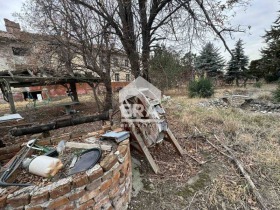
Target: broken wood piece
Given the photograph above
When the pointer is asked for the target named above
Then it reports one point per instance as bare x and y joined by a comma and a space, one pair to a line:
79, 145
193, 158
175, 143
144, 148
238, 163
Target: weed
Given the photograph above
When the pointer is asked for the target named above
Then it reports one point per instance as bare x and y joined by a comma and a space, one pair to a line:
258, 84
202, 88
276, 94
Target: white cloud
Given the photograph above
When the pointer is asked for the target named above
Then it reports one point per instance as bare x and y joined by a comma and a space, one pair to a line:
259, 16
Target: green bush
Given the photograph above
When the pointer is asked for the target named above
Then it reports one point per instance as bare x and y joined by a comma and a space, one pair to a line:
258, 84
271, 77
276, 93
203, 88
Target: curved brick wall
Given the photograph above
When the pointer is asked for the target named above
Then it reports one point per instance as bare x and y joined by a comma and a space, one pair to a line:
108, 185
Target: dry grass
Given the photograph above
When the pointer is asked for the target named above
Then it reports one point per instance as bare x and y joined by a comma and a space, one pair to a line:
254, 137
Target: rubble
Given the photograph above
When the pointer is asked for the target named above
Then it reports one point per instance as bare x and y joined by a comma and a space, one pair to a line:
245, 103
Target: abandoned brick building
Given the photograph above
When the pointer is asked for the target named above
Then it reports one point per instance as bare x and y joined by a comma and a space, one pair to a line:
25, 53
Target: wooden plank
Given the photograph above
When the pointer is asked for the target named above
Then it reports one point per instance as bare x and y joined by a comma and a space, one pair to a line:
79, 145
145, 150
174, 141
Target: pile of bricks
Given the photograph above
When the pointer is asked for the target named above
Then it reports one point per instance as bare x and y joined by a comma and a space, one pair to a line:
107, 185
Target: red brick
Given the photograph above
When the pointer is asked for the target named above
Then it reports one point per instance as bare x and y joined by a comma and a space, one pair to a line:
122, 177
114, 192
40, 198
105, 185
60, 190
19, 200
89, 195
108, 162
33, 207
101, 195
107, 175
125, 142
94, 173
80, 180
124, 168
94, 185
68, 206
122, 189
76, 193
57, 202
3, 200
116, 178
15, 208
122, 149
86, 205
104, 201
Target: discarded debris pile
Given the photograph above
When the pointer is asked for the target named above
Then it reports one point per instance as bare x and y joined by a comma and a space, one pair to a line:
243, 102
260, 106
216, 102
92, 171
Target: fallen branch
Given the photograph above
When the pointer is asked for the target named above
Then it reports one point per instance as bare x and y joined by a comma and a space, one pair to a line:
246, 175
193, 158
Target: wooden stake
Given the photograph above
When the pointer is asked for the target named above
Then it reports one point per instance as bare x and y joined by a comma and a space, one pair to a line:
174, 141
144, 148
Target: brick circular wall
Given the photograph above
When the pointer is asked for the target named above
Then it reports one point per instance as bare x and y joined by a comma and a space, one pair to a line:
107, 185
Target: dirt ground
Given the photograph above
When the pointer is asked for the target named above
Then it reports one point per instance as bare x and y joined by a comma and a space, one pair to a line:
214, 182
50, 112
203, 178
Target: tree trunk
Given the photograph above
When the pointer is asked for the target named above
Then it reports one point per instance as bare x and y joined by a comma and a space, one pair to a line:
237, 81
109, 94
145, 63
95, 95
74, 91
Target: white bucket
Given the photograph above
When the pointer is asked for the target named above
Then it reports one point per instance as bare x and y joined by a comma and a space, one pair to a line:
45, 166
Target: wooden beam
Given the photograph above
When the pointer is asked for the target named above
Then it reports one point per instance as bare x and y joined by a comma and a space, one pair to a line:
28, 81
174, 141
144, 148
8, 95
58, 124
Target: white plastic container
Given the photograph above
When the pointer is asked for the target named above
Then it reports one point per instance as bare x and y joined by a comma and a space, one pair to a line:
45, 166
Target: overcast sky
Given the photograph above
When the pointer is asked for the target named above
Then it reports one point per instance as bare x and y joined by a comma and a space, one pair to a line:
260, 15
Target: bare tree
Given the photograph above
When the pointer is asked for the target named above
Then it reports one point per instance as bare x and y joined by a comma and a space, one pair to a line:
81, 40
141, 23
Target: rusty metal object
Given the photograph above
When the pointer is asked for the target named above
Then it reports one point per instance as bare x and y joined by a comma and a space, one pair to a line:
15, 163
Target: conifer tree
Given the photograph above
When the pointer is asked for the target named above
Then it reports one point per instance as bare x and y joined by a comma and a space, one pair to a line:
237, 66
209, 61
271, 54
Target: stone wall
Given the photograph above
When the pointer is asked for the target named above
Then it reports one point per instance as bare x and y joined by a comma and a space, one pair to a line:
107, 185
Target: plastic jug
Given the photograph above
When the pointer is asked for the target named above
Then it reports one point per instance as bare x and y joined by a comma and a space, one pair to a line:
45, 166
